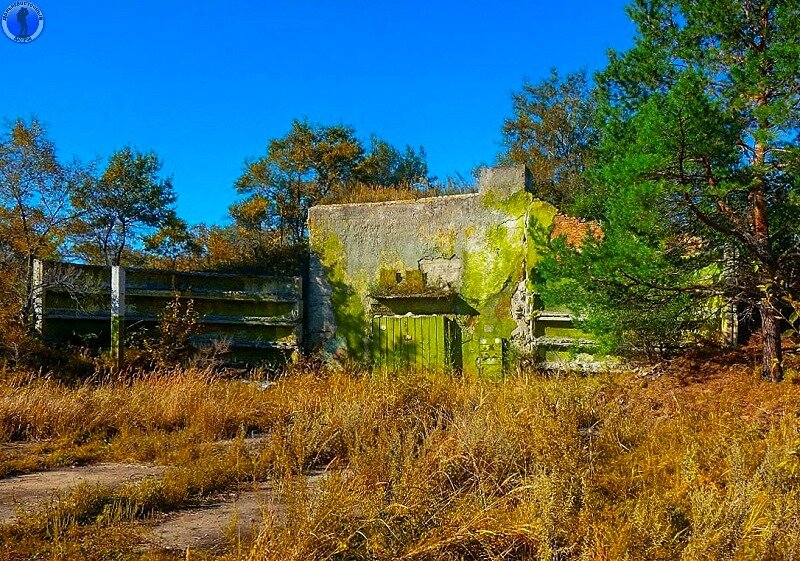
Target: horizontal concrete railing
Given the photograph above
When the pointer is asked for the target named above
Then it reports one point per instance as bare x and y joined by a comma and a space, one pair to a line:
251, 313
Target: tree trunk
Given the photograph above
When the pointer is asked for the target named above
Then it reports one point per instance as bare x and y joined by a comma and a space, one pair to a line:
771, 355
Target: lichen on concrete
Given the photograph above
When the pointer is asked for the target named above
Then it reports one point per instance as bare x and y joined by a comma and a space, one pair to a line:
482, 247
347, 311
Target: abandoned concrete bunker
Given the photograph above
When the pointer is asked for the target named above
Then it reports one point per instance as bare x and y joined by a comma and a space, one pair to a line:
441, 282
449, 282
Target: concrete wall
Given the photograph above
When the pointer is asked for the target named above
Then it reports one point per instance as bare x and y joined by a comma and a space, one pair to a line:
475, 252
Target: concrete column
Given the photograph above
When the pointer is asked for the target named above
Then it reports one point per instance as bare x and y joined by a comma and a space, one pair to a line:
298, 313
504, 181
37, 295
118, 315
321, 325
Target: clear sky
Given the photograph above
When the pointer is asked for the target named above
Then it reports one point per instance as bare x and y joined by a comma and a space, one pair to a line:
207, 83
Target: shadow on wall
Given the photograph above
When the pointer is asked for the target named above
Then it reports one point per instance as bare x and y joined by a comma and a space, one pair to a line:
350, 318
450, 304
337, 320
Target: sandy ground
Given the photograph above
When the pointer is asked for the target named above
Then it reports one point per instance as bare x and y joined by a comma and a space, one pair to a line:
220, 525
231, 517
217, 525
33, 488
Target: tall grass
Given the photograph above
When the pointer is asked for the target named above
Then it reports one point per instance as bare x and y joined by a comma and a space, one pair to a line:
194, 401
368, 193
574, 468
702, 462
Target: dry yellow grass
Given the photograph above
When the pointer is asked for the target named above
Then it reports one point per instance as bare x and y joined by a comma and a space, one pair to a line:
194, 401
702, 462
574, 468
366, 193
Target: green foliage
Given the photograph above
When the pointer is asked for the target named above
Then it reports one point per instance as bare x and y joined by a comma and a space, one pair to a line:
552, 132
239, 249
35, 189
695, 185
121, 206
35, 215
387, 166
607, 295
793, 320
172, 244
299, 169
309, 164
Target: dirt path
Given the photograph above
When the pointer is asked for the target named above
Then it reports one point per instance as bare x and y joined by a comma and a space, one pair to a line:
33, 488
212, 526
217, 525
233, 516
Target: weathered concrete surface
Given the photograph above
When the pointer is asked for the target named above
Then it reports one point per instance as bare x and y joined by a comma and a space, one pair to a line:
442, 272
397, 235
29, 490
321, 324
479, 246
358, 240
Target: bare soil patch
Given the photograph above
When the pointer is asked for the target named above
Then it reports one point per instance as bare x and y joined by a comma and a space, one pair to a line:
217, 526
231, 517
34, 488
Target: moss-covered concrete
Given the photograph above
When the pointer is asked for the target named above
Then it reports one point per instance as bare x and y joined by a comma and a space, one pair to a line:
475, 254
345, 294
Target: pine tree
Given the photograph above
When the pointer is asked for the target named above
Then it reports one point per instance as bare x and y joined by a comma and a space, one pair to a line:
697, 187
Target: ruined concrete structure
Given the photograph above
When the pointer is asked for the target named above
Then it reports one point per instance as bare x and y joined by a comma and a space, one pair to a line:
437, 282
446, 282
258, 318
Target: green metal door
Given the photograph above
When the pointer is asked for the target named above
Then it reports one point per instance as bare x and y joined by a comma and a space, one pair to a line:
408, 342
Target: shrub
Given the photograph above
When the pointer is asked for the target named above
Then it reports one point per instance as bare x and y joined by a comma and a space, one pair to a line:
172, 344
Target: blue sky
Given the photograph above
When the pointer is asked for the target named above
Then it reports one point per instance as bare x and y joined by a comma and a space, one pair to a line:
207, 84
